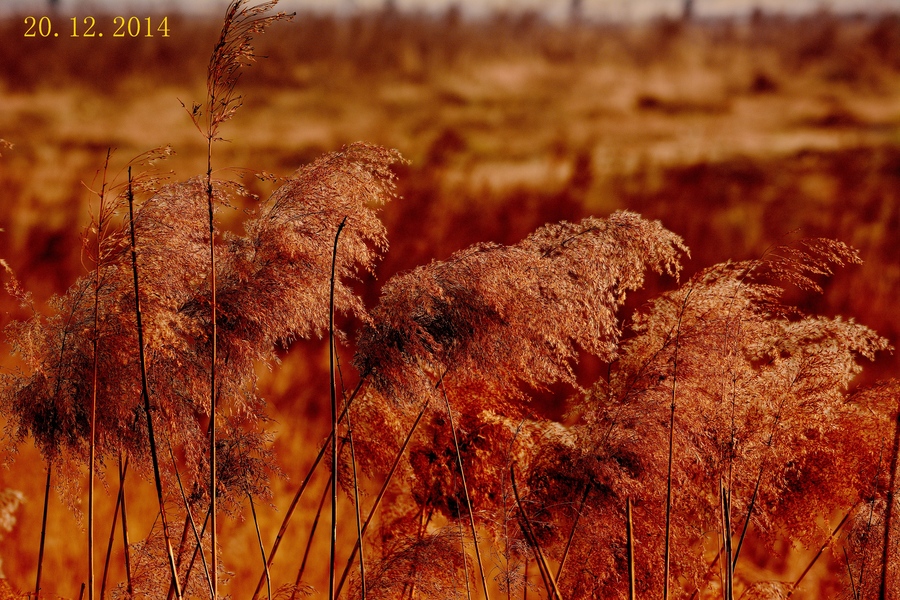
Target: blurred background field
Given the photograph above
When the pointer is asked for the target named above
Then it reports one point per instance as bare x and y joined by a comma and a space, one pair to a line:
736, 133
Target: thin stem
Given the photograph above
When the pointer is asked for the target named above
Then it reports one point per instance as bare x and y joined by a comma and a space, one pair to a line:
214, 560
866, 536
462, 542
410, 582
112, 530
101, 214
189, 521
197, 549
668, 540
746, 525
181, 547
728, 577
312, 533
381, 492
334, 412
504, 489
885, 553
546, 575
850, 573
127, 551
562, 562
462, 474
146, 395
290, 511
629, 534
362, 562
62, 354
262, 548
822, 549
37, 583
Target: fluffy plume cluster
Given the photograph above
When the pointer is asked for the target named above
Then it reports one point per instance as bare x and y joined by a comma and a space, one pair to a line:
491, 317
757, 391
725, 408
273, 285
759, 395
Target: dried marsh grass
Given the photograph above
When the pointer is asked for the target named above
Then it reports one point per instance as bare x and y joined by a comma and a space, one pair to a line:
726, 408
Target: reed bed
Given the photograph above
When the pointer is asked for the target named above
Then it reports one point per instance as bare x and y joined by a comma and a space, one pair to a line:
726, 419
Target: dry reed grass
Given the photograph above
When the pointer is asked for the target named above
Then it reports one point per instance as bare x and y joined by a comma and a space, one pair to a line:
764, 400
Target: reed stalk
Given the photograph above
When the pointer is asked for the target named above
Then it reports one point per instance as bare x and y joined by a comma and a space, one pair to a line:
462, 474
528, 530
357, 511
214, 555
262, 549
189, 521
378, 498
629, 534
668, 536
37, 583
822, 548
562, 562
889, 511
98, 258
728, 576
126, 550
285, 522
309, 541
334, 412
112, 530
146, 395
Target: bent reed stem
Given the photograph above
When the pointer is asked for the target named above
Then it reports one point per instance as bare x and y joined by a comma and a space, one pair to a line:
334, 409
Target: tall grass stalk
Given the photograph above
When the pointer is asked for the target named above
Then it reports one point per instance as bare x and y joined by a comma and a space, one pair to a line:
728, 574
562, 561
197, 550
312, 533
629, 535
462, 474
100, 224
358, 508
528, 530
668, 535
285, 522
145, 394
214, 559
889, 510
825, 545
120, 498
49, 460
232, 52
40, 565
189, 521
746, 524
262, 548
867, 531
462, 543
853, 593
334, 412
123, 466
380, 496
